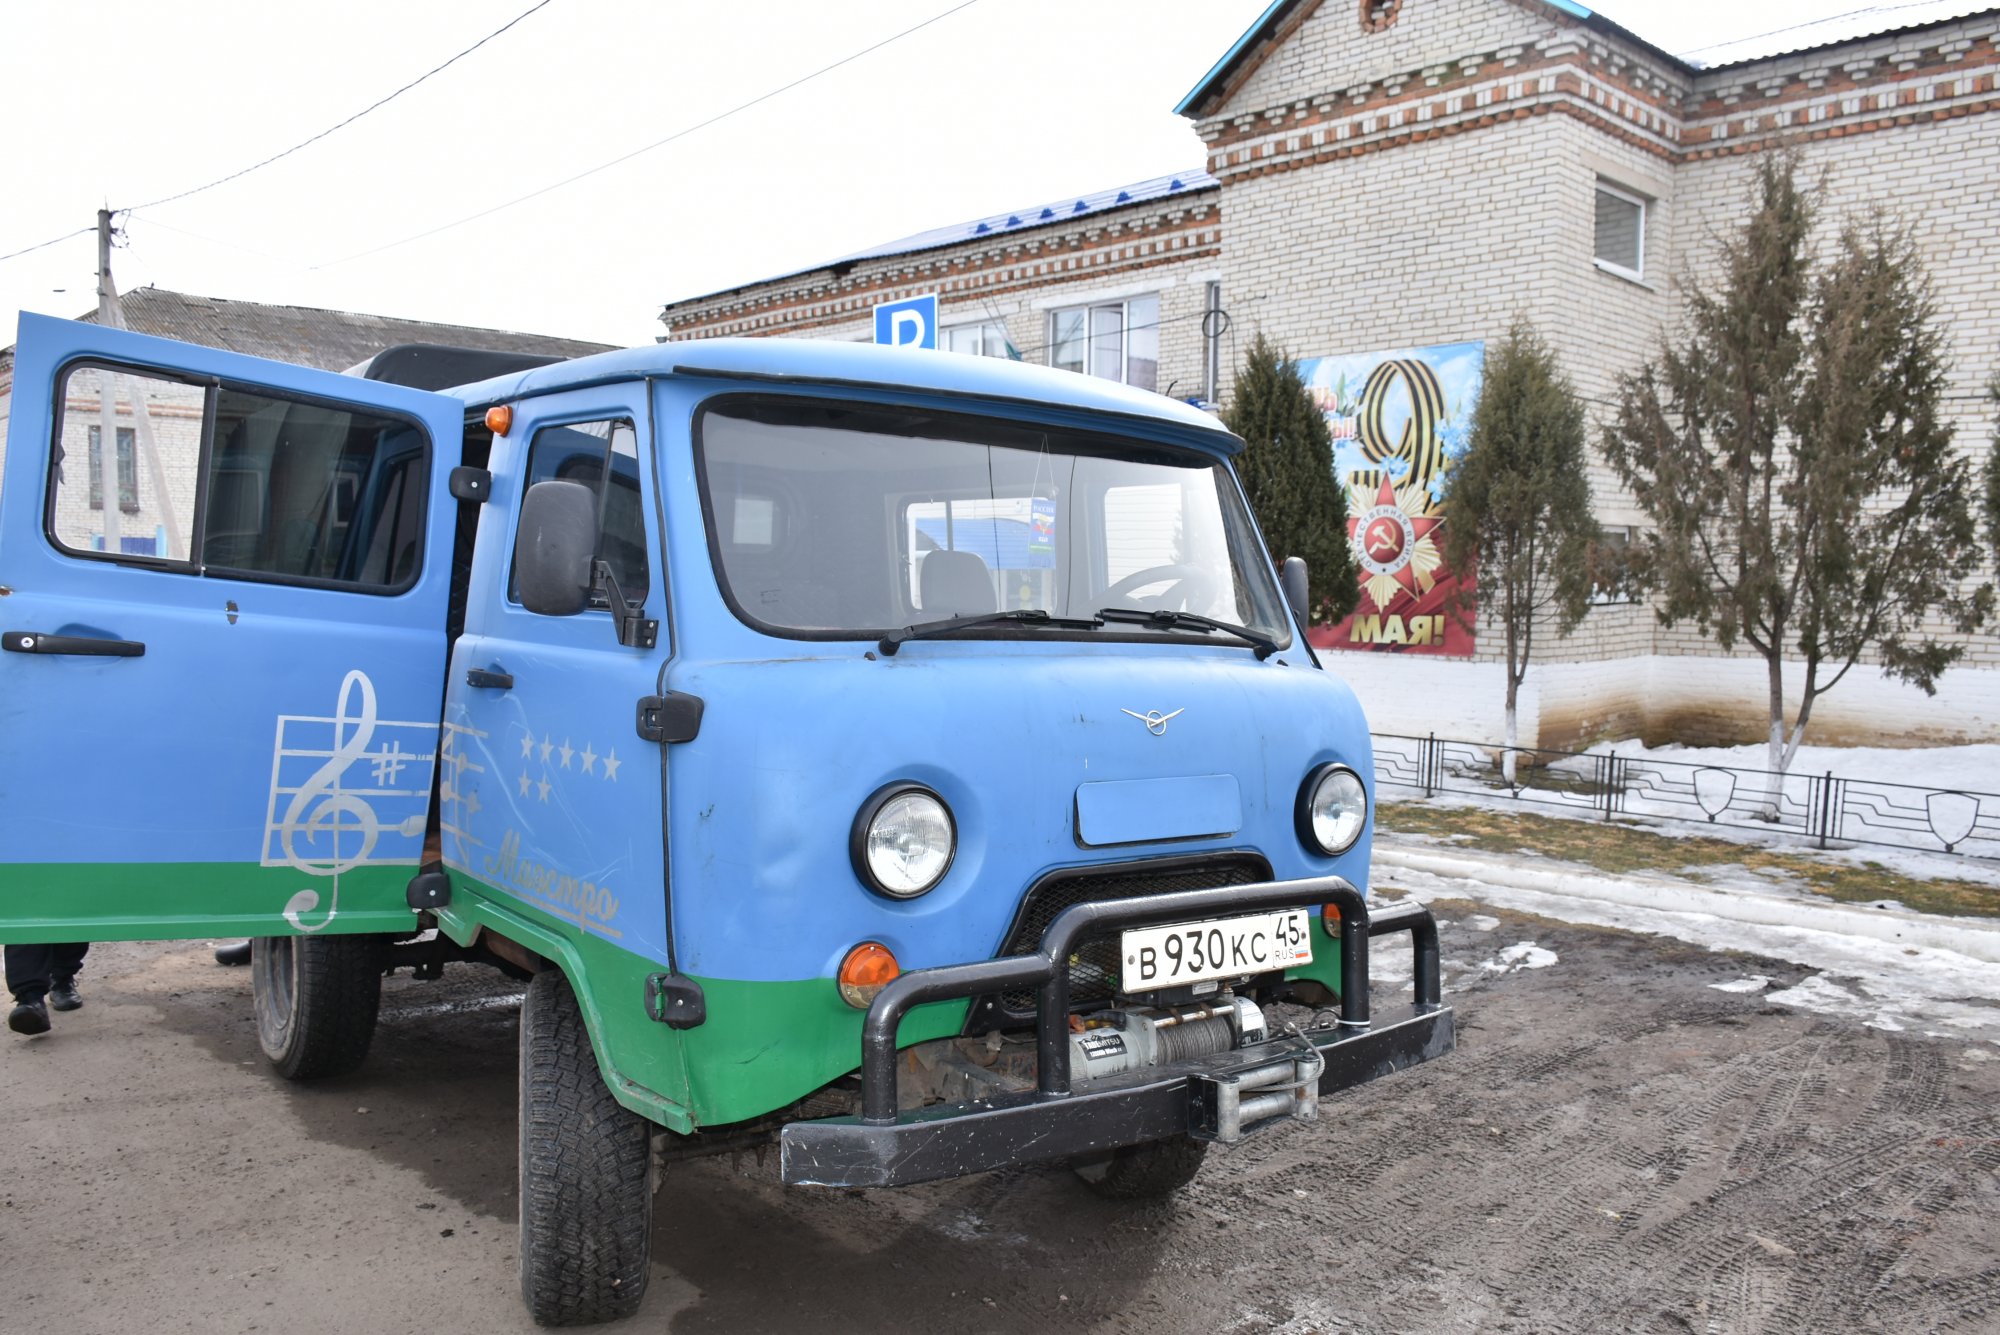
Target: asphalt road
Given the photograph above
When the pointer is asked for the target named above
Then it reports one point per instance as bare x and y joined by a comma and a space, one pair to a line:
1615, 1146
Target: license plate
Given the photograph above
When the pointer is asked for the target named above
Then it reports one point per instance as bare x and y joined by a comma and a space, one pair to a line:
1157, 957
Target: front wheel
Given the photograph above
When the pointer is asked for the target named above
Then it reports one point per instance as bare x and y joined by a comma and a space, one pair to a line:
586, 1193
316, 999
1144, 1172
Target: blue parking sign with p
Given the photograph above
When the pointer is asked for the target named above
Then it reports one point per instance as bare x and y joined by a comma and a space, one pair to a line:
910, 323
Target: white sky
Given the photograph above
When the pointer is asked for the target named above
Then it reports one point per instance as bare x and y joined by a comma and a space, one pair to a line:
1005, 104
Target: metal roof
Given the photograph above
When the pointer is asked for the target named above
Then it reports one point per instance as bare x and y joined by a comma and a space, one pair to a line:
1837, 30
1068, 209
308, 336
807, 362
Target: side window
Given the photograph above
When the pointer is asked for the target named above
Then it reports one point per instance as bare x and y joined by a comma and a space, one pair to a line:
222, 480
603, 456
1620, 236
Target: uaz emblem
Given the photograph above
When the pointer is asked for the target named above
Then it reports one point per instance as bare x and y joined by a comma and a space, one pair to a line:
1155, 721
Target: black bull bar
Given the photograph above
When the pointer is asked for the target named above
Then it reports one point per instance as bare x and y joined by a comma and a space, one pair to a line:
883, 1147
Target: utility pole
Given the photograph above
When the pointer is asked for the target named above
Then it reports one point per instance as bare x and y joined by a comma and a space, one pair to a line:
108, 317
111, 315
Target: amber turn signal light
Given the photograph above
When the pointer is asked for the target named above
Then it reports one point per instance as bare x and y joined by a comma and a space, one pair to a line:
1329, 918
868, 968
498, 418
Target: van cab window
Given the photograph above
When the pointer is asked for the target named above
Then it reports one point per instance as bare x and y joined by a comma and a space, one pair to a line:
850, 520
228, 481
603, 456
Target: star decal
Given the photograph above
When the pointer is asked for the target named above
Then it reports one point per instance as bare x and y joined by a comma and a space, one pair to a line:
527, 746
547, 746
544, 787
565, 752
1392, 538
589, 759
525, 784
611, 764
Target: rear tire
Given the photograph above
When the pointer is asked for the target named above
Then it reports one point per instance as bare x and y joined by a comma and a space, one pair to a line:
1144, 1172
586, 1189
316, 999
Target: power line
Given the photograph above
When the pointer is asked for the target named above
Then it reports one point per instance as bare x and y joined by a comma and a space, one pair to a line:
379, 102
1811, 23
657, 143
44, 245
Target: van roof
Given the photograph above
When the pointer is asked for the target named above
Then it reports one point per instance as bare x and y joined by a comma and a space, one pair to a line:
855, 365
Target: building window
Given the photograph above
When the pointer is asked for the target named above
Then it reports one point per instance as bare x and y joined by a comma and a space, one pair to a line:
1611, 563
1621, 232
988, 339
1113, 340
128, 471
1377, 15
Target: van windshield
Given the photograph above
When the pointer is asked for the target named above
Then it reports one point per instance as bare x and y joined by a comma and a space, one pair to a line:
843, 520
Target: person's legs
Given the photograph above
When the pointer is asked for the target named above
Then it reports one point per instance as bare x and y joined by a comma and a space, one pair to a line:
30, 970
28, 978
64, 962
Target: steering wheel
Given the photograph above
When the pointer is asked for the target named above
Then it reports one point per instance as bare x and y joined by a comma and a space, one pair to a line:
1192, 587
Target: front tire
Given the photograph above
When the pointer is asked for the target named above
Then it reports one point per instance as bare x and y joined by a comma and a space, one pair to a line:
1144, 1172
316, 999
586, 1192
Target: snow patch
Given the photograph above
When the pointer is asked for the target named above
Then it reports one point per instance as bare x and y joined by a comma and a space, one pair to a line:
1911, 970
1479, 922
1521, 955
1818, 993
1756, 982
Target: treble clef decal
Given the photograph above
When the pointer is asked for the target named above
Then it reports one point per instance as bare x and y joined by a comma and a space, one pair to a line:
331, 809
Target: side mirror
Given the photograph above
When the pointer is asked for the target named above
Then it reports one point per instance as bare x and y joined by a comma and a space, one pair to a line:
554, 548
1297, 593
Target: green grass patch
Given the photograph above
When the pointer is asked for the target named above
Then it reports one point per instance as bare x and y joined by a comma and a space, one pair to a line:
1614, 846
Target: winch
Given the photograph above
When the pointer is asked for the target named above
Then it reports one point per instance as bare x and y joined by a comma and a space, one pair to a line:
1123, 1040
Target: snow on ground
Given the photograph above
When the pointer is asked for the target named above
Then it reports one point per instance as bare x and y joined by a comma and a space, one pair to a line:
1886, 967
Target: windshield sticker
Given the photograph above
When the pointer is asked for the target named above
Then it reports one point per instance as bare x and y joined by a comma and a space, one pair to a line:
347, 790
1042, 535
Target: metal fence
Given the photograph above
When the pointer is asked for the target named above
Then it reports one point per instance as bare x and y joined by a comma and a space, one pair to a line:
1824, 808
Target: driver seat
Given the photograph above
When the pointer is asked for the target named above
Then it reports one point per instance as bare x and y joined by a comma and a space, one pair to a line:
956, 584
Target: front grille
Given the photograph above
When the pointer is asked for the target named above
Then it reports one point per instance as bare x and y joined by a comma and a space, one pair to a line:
1094, 968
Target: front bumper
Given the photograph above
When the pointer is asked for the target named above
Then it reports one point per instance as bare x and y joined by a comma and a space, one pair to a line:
1218, 1097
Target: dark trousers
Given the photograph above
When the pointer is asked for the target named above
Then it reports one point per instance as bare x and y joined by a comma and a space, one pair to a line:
31, 970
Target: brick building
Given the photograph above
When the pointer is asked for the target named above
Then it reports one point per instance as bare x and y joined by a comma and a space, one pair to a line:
1391, 182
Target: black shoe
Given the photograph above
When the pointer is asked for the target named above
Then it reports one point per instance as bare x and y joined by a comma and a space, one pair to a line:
233, 955
29, 1017
63, 995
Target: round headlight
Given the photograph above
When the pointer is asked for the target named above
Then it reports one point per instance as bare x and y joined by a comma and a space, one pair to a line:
903, 841
1333, 809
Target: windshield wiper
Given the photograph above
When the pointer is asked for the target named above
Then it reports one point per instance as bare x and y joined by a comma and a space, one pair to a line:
1027, 616
1168, 619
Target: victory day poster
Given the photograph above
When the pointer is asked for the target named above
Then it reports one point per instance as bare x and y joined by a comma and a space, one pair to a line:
1399, 421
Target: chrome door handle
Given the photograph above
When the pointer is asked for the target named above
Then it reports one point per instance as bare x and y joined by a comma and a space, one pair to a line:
34, 642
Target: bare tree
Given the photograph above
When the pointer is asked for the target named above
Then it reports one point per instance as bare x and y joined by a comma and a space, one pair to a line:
1792, 454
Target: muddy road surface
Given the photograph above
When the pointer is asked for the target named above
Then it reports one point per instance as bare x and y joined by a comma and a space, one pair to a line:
1616, 1146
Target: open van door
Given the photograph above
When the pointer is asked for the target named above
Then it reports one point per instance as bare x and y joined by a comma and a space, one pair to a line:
223, 588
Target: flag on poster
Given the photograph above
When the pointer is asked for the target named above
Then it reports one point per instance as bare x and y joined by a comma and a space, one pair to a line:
1399, 421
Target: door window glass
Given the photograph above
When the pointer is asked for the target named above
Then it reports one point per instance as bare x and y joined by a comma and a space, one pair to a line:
154, 513
221, 480
603, 456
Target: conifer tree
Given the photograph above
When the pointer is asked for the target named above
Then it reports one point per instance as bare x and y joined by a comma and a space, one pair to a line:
1287, 472
1517, 509
1993, 477
1792, 453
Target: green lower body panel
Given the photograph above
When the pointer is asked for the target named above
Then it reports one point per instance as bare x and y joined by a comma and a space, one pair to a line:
173, 901
763, 1046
